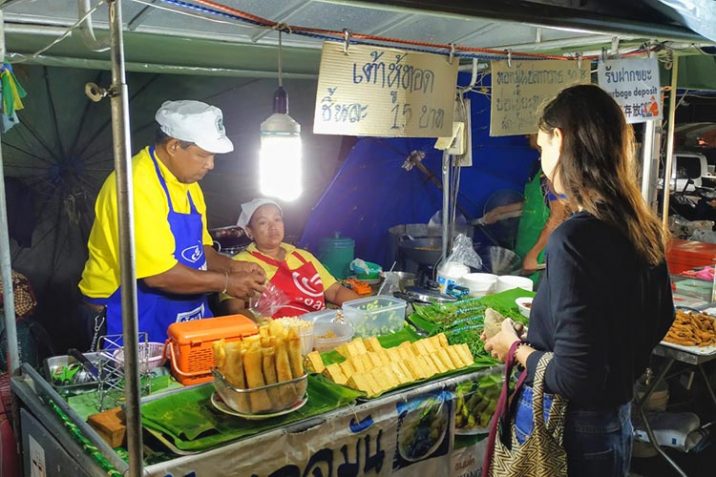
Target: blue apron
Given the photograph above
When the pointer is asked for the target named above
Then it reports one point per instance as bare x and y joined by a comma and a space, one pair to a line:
156, 309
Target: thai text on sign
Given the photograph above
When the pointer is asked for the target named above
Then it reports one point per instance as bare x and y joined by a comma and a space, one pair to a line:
634, 84
373, 91
520, 89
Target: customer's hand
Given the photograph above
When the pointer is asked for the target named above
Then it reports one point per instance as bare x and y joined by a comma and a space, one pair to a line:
500, 344
244, 285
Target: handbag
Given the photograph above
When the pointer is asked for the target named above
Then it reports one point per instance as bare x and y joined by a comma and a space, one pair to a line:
542, 454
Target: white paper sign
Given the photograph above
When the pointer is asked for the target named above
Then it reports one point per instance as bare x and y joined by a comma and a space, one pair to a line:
521, 89
634, 84
375, 91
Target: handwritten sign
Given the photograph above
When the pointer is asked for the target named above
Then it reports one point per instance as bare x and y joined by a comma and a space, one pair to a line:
521, 89
373, 91
634, 84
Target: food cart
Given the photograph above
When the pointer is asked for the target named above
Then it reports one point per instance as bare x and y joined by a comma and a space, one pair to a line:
355, 437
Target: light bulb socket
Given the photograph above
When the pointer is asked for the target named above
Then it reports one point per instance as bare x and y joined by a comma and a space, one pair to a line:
280, 101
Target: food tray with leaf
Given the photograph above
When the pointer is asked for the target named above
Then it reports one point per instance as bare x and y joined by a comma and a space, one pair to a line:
377, 365
463, 321
189, 420
475, 403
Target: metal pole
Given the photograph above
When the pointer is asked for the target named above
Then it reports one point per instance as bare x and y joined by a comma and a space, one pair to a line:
648, 165
125, 206
670, 143
446, 205
8, 294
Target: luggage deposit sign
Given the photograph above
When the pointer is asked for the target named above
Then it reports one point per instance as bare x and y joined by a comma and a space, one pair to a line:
373, 91
634, 84
521, 89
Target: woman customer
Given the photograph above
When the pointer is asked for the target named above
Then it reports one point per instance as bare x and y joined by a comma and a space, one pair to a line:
304, 281
605, 299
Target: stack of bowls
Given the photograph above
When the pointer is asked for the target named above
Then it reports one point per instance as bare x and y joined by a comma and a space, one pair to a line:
508, 282
479, 284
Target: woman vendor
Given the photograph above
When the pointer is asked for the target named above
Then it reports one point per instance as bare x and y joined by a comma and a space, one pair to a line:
304, 281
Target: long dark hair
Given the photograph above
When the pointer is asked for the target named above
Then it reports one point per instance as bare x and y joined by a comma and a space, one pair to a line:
596, 166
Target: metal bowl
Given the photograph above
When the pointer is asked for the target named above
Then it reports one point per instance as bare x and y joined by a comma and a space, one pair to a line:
267, 399
424, 251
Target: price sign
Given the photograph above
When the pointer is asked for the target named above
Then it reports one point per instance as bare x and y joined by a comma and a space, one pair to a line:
521, 89
373, 91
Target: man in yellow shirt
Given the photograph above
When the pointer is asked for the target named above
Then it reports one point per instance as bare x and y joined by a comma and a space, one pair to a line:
175, 263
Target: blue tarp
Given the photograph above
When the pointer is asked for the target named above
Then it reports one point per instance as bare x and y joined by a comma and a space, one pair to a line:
371, 192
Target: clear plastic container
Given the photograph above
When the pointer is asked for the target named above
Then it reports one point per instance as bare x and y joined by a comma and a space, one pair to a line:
329, 329
375, 315
331, 334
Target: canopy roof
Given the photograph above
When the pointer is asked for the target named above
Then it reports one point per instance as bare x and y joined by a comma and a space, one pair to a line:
161, 40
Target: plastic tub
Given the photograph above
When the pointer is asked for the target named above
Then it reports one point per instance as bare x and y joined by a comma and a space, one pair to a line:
375, 315
329, 335
480, 284
508, 282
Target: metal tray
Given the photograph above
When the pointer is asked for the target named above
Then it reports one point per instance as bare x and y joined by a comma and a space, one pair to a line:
55, 362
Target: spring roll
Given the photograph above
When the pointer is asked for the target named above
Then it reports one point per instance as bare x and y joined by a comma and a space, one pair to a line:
260, 401
268, 355
283, 372
294, 353
233, 371
219, 354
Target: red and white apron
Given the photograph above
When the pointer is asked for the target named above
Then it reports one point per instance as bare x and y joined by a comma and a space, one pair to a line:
303, 286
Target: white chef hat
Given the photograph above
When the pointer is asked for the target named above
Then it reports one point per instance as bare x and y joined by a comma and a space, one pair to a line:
248, 209
197, 122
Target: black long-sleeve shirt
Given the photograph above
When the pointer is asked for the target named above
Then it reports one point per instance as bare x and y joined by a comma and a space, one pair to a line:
601, 309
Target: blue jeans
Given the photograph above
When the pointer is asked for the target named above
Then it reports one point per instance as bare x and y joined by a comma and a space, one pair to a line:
598, 442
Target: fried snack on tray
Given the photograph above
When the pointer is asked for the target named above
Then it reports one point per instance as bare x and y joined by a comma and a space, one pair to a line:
272, 356
692, 329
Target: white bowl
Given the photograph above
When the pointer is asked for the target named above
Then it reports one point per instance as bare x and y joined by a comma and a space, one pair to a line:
525, 305
508, 282
480, 284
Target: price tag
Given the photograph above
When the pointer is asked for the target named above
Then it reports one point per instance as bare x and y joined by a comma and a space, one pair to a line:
373, 91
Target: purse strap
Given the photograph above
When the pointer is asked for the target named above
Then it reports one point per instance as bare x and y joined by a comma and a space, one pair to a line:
502, 407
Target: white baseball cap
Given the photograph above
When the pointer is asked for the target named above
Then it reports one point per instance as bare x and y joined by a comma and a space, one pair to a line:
196, 122
248, 209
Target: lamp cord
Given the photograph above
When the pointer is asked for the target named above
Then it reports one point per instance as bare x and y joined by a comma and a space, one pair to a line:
280, 63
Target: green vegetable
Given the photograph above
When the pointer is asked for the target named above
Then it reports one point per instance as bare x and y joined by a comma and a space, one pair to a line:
65, 374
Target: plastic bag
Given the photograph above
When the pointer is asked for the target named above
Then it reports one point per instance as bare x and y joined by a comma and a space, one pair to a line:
269, 302
463, 253
458, 263
364, 268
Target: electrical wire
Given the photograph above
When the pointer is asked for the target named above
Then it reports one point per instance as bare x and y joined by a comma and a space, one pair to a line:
210, 6
191, 15
62, 36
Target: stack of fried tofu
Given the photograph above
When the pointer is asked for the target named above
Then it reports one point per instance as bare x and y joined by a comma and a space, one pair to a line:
370, 368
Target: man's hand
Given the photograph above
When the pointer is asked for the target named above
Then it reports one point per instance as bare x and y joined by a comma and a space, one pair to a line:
244, 285
245, 267
530, 262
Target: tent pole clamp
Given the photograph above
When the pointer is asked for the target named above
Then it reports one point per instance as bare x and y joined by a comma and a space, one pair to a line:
97, 93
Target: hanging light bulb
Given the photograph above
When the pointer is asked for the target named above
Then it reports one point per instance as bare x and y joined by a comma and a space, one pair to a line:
280, 157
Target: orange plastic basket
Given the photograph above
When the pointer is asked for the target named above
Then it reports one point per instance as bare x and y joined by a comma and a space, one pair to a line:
190, 344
